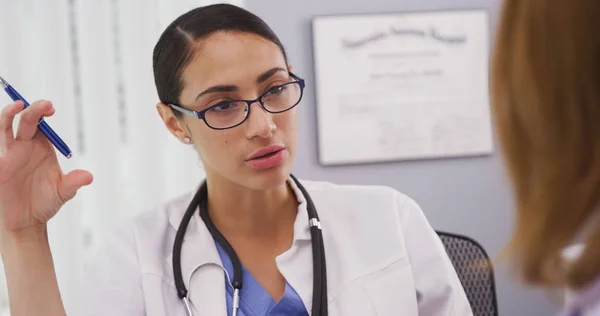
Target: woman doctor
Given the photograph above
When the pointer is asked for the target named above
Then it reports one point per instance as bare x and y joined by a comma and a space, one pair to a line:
364, 250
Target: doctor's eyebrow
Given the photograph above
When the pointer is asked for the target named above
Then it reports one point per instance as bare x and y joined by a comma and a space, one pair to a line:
269, 73
231, 88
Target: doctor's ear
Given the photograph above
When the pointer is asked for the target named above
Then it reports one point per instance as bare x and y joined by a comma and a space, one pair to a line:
290, 67
173, 123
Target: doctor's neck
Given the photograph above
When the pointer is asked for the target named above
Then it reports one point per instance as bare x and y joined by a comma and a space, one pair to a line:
251, 211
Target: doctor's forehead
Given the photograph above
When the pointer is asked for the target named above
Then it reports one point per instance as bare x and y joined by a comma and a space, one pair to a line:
231, 58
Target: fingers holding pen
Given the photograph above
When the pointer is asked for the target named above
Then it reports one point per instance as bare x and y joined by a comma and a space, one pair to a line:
30, 118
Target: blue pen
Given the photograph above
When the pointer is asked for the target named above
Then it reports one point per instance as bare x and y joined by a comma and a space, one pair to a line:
42, 125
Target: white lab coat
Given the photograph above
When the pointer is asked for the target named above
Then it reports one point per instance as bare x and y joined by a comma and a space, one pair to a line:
383, 258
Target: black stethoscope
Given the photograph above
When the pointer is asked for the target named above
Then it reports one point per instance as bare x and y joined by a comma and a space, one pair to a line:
200, 200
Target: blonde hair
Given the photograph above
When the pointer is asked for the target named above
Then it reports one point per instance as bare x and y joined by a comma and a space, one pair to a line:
546, 103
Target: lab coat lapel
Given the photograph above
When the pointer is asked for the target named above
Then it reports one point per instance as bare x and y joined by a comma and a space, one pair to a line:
201, 268
296, 263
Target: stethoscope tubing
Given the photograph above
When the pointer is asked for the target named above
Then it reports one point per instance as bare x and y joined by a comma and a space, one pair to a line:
200, 200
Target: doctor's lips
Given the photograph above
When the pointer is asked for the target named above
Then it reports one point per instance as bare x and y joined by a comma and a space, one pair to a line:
267, 157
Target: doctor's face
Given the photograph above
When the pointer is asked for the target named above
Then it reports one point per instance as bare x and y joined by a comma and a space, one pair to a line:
228, 66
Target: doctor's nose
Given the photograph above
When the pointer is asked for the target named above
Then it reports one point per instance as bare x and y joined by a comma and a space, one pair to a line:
259, 122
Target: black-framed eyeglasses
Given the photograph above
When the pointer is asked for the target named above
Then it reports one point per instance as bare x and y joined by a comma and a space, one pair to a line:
229, 114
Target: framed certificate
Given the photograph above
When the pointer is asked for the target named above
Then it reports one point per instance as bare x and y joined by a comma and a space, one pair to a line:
402, 86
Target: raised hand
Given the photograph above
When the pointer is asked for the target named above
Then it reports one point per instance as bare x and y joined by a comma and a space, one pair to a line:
32, 185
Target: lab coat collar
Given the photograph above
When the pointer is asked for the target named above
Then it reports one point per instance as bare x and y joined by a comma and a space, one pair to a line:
301, 228
201, 265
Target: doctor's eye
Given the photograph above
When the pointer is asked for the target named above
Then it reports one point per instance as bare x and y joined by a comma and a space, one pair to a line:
224, 106
277, 90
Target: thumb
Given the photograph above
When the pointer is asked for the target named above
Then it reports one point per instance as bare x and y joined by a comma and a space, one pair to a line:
72, 182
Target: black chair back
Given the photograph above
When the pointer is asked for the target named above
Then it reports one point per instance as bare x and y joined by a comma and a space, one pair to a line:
475, 271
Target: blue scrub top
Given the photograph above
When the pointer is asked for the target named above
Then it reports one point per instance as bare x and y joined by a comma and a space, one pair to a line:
255, 300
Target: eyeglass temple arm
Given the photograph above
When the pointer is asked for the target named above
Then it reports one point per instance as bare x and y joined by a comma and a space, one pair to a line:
294, 75
185, 111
